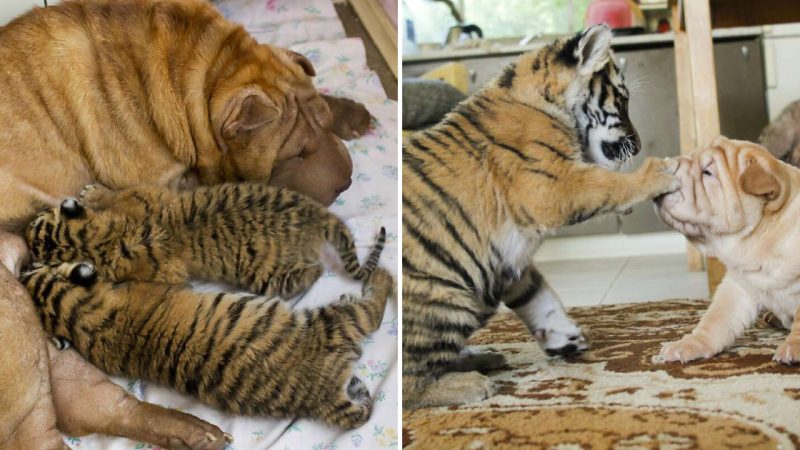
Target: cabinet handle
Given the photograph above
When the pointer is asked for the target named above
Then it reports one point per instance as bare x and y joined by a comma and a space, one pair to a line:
746, 52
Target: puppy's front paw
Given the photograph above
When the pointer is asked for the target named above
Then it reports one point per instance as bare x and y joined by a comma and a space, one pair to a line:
688, 348
788, 352
658, 176
350, 119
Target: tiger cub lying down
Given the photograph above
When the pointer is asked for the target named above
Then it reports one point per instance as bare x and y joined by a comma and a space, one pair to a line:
264, 239
237, 352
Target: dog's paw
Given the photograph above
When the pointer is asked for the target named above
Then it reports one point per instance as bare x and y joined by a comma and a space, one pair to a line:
788, 352
688, 348
658, 176
93, 194
350, 119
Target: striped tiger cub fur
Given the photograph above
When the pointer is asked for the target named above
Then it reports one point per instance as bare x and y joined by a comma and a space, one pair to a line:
526, 155
264, 239
237, 352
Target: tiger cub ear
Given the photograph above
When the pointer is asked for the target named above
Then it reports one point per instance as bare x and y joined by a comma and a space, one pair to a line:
592, 49
83, 274
72, 209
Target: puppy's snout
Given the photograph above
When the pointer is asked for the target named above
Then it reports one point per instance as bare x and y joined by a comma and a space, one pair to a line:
567, 350
344, 187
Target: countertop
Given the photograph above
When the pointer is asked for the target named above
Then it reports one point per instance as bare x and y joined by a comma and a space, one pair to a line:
619, 41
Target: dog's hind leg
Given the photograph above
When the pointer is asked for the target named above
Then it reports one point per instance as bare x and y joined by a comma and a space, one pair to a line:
27, 416
86, 401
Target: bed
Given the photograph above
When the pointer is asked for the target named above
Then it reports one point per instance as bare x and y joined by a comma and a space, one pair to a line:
312, 28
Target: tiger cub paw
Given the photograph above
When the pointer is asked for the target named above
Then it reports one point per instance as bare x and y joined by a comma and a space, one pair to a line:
380, 282
788, 352
467, 387
658, 176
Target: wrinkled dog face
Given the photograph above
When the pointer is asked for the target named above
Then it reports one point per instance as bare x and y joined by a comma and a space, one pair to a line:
725, 190
279, 129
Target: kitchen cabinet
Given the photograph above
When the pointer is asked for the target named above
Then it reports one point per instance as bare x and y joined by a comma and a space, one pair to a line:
649, 68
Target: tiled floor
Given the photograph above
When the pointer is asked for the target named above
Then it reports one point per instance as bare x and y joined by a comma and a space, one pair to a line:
623, 280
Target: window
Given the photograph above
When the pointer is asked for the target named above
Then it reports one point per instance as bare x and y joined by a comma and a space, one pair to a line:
497, 18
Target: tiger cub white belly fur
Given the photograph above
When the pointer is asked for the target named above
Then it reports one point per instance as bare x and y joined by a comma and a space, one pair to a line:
524, 156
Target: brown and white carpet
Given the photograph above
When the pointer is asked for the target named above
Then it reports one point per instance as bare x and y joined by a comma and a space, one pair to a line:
616, 397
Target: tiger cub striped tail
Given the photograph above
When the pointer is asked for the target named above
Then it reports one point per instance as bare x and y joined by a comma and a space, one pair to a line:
340, 237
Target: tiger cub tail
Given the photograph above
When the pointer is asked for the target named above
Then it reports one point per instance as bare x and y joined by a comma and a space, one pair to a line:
339, 235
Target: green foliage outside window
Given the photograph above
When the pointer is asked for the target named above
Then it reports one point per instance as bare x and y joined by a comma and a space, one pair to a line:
497, 18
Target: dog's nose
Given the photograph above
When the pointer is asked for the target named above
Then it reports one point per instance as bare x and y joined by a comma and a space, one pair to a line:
344, 187
567, 350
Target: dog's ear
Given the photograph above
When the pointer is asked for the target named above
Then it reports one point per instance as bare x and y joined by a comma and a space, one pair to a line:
301, 60
83, 274
755, 180
247, 110
72, 209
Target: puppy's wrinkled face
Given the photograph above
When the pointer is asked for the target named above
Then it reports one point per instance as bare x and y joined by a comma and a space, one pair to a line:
726, 189
277, 123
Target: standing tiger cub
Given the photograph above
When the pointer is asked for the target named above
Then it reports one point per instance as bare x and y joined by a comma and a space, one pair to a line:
265, 239
237, 352
524, 156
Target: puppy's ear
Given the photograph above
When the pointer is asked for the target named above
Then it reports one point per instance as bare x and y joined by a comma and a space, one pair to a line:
72, 209
247, 110
301, 60
83, 274
755, 180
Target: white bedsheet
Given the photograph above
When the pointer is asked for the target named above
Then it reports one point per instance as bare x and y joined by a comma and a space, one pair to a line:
312, 28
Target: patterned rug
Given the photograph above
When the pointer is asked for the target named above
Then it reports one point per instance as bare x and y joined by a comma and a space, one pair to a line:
616, 397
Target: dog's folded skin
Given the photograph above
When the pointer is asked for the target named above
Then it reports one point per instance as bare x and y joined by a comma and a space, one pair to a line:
739, 204
131, 92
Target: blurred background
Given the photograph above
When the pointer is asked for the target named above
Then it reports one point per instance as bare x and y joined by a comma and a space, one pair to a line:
456, 46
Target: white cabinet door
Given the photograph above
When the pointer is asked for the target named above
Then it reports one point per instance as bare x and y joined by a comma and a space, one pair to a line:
781, 47
10, 9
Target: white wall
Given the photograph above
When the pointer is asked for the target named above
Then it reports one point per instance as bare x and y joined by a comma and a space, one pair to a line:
782, 70
12, 8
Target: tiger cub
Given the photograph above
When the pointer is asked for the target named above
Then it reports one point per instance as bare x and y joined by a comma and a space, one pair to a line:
237, 352
264, 239
536, 149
